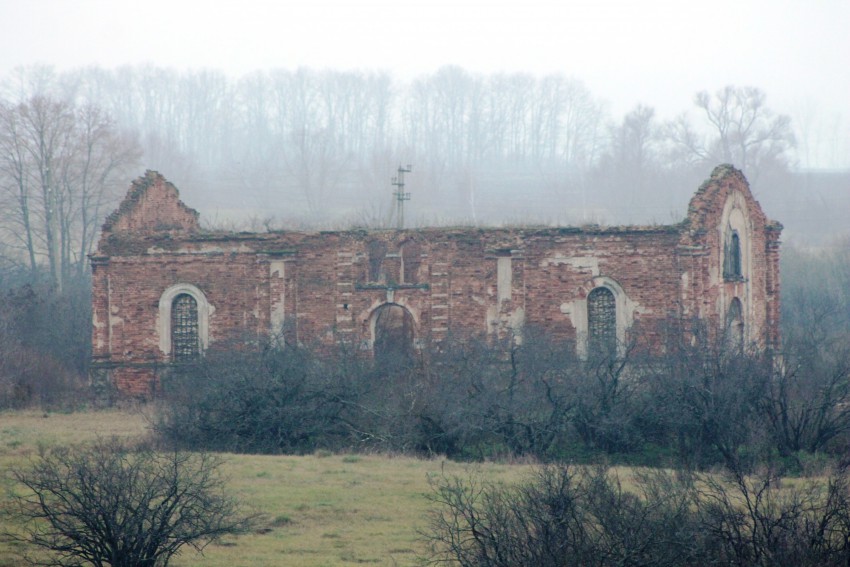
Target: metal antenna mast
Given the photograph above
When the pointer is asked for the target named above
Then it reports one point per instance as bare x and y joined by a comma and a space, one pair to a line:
400, 195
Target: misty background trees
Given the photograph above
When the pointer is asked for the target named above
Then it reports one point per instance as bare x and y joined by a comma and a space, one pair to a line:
309, 147
317, 148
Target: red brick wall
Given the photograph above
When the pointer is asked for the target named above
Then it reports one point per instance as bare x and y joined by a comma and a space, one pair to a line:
319, 281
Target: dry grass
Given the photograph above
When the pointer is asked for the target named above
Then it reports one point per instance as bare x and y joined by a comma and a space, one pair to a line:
317, 510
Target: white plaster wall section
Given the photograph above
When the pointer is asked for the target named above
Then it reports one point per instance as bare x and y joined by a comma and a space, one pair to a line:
735, 217
580, 263
111, 310
98, 324
491, 320
163, 319
516, 322
114, 319
504, 278
625, 308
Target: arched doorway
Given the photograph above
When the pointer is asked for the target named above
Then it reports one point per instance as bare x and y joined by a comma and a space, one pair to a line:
393, 330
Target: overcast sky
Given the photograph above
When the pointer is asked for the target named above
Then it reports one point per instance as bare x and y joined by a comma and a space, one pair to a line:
657, 52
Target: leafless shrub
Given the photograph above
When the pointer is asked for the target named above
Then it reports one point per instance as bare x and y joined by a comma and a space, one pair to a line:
566, 515
108, 505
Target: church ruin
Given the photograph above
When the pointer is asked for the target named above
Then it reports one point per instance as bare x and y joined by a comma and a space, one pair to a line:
164, 290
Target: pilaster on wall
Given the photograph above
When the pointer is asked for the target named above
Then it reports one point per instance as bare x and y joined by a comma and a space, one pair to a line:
277, 300
507, 316
773, 286
344, 312
100, 308
440, 300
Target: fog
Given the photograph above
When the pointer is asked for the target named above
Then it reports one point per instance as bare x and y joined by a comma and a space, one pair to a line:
298, 116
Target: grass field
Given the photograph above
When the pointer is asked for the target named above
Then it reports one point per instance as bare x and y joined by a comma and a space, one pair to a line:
318, 510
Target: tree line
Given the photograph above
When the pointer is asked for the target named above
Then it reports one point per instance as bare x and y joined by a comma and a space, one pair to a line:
324, 144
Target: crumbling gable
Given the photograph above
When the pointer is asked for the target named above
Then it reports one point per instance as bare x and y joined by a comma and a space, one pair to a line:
152, 205
734, 247
163, 291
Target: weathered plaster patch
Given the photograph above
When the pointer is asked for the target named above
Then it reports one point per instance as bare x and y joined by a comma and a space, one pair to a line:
580, 263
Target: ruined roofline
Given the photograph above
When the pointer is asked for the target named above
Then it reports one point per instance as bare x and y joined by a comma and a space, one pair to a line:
204, 235
181, 222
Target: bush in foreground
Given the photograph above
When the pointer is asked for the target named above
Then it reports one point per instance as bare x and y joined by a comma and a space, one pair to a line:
107, 505
575, 516
265, 401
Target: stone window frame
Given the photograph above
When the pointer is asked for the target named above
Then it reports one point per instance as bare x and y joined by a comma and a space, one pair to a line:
373, 325
604, 323
410, 259
735, 219
166, 301
376, 252
371, 318
624, 314
735, 264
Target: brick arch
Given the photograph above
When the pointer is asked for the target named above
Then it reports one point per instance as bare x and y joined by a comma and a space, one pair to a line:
393, 331
735, 233
624, 310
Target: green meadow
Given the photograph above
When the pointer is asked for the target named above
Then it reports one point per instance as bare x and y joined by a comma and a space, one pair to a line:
317, 510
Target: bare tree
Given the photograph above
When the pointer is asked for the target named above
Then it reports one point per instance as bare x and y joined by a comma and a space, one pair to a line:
742, 130
47, 127
58, 166
18, 207
107, 505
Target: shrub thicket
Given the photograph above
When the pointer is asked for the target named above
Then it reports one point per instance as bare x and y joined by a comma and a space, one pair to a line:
704, 402
44, 345
590, 516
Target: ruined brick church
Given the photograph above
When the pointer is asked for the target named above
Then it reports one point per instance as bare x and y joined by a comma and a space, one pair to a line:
164, 290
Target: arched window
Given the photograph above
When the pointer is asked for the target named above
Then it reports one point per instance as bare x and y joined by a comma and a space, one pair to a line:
732, 269
735, 324
377, 250
185, 339
411, 259
183, 322
393, 334
601, 322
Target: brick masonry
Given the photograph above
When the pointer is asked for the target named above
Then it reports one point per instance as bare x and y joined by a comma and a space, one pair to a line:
320, 288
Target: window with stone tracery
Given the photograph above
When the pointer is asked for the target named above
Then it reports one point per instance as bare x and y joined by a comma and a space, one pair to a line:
185, 339
601, 322
732, 269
